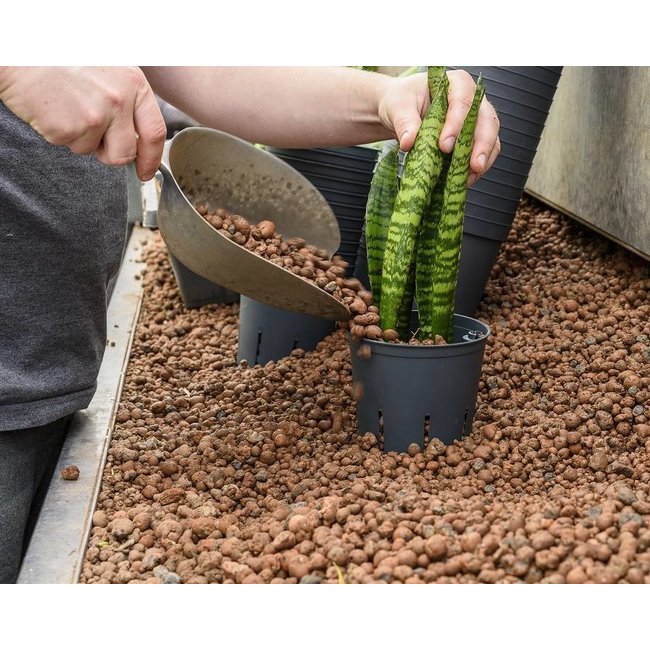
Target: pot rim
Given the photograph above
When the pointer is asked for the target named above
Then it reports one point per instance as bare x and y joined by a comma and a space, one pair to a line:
432, 351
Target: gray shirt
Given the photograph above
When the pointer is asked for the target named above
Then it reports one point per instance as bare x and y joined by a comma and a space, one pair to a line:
62, 229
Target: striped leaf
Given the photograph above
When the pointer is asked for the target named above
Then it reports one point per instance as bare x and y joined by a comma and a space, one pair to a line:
421, 171
381, 199
444, 274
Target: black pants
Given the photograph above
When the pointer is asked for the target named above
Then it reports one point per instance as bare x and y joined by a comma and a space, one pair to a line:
27, 461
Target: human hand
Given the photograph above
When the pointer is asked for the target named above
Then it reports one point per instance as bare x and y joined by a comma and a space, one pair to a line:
111, 112
406, 101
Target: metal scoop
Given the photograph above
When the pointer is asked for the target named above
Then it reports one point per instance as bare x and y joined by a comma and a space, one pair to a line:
207, 166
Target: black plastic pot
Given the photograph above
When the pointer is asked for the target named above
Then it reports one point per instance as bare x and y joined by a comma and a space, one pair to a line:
338, 156
522, 97
308, 168
412, 393
479, 250
268, 334
197, 291
343, 176
348, 212
341, 198
356, 188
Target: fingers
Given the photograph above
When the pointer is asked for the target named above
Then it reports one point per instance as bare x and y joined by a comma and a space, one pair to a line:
407, 129
461, 93
486, 137
137, 132
403, 106
80, 128
119, 145
486, 141
405, 121
473, 176
90, 137
151, 129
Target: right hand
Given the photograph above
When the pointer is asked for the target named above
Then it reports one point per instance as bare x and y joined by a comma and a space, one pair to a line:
111, 112
405, 104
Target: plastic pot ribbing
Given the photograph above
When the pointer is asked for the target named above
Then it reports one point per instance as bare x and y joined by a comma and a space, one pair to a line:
522, 97
343, 176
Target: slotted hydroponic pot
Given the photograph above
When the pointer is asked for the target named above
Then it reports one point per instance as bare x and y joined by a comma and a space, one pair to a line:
197, 291
412, 393
343, 176
268, 334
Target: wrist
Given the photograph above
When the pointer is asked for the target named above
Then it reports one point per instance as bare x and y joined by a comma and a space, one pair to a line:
6, 74
366, 99
384, 88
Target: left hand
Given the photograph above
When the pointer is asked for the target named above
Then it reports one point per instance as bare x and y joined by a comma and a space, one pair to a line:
404, 104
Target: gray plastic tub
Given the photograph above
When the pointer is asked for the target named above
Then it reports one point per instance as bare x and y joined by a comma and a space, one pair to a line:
307, 168
412, 393
477, 258
522, 97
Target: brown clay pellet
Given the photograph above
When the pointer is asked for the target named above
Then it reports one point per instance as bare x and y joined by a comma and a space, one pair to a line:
222, 473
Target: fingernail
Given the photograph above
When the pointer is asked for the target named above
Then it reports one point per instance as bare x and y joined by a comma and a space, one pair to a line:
449, 143
471, 179
482, 160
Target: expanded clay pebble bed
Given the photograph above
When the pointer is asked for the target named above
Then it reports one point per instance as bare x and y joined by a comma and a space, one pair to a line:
221, 473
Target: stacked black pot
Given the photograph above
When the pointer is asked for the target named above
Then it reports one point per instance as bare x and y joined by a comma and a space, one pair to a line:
522, 97
342, 175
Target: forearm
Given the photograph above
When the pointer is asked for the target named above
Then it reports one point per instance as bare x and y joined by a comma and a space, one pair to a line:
112, 111
292, 107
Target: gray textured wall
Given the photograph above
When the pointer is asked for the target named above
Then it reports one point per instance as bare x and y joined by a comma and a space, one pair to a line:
593, 161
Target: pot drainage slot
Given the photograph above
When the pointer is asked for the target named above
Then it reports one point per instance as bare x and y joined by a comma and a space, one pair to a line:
380, 415
464, 429
258, 346
427, 429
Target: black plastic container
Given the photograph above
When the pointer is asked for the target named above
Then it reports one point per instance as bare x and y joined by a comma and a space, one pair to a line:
477, 257
308, 168
349, 157
522, 97
268, 334
345, 185
197, 291
341, 198
343, 176
351, 213
412, 393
